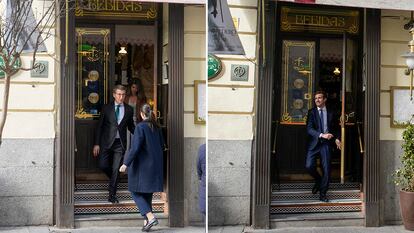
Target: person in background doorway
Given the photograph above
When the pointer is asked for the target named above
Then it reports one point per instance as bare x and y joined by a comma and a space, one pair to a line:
110, 139
201, 172
136, 98
145, 165
322, 127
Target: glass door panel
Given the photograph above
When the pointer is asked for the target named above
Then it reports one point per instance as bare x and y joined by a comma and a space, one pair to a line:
92, 71
298, 72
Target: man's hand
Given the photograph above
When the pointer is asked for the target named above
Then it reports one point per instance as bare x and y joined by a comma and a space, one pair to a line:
338, 144
95, 150
123, 168
327, 136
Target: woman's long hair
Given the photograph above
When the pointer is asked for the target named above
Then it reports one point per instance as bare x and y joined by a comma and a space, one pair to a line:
150, 116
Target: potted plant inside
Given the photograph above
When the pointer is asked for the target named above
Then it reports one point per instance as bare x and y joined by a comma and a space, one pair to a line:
404, 178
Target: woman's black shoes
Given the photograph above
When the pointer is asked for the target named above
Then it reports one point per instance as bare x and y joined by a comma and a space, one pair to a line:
150, 223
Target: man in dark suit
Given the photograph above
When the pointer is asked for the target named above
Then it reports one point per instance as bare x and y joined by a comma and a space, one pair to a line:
322, 127
111, 137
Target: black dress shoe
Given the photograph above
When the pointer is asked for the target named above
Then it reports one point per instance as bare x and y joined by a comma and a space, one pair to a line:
113, 199
323, 198
151, 223
315, 188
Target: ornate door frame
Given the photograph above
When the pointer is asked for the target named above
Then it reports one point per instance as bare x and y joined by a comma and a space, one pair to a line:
261, 187
65, 137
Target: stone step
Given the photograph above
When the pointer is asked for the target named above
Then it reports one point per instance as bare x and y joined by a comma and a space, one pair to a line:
308, 186
299, 195
98, 186
117, 220
102, 195
92, 198
315, 206
330, 219
105, 207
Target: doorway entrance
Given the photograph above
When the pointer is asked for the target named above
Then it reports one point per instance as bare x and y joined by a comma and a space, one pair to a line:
311, 57
110, 53
171, 115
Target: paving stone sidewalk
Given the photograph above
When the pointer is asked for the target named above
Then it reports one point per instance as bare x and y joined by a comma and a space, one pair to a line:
226, 229
46, 229
241, 229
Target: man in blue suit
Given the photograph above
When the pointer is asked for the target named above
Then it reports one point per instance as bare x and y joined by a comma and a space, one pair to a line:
322, 128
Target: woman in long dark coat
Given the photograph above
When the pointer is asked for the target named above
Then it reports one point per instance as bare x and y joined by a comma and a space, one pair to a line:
145, 165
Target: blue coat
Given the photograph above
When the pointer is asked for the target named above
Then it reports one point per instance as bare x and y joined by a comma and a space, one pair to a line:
201, 172
145, 160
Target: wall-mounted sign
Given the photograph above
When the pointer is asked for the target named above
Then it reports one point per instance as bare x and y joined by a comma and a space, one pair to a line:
214, 66
17, 65
239, 72
41, 70
116, 8
223, 37
295, 19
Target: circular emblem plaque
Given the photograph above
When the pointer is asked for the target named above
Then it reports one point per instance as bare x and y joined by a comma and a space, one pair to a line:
93, 75
214, 66
93, 98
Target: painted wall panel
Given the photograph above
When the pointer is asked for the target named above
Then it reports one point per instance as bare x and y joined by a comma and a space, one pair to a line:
393, 53
194, 70
244, 3
385, 104
247, 19
393, 77
230, 99
230, 127
188, 101
192, 130
388, 133
393, 26
30, 96
191, 13
30, 125
194, 45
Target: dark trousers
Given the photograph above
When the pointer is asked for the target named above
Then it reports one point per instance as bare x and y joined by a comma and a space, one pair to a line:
109, 161
143, 202
325, 158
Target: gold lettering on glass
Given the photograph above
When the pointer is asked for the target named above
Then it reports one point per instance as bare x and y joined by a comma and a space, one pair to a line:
330, 21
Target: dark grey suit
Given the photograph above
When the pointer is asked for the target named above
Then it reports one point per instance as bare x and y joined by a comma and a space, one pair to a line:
111, 149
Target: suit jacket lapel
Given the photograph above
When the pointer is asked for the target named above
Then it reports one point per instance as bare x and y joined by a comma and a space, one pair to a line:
112, 116
330, 116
